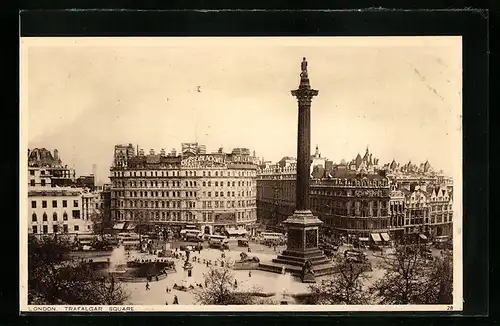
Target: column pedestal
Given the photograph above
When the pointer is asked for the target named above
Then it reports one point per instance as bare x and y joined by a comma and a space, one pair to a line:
302, 248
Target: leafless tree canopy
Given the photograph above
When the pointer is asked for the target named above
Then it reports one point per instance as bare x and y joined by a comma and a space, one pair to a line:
412, 279
55, 279
220, 289
345, 286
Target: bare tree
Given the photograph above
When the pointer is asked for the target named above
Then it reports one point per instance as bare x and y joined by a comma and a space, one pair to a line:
344, 286
220, 288
440, 280
406, 277
53, 278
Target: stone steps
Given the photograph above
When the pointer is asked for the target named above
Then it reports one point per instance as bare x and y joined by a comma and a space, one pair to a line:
319, 270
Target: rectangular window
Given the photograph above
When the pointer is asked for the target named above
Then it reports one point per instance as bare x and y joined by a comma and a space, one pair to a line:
44, 204
33, 204
32, 183
75, 203
55, 228
43, 182
35, 229
65, 228
77, 228
65, 203
76, 213
45, 229
54, 204
32, 172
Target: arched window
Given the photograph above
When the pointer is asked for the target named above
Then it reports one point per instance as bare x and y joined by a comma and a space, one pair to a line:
216, 183
208, 173
44, 217
33, 217
204, 183
209, 183
65, 216
216, 173
54, 216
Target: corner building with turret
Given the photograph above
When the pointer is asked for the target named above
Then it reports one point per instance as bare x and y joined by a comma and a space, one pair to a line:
210, 192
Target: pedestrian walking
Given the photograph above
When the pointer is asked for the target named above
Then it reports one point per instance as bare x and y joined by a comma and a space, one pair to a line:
235, 283
176, 300
147, 286
249, 273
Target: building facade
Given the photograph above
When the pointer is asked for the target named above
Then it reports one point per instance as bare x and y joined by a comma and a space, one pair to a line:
47, 170
212, 192
353, 204
56, 210
55, 204
361, 198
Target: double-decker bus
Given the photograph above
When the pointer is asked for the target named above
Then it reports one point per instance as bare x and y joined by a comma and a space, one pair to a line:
275, 237
218, 241
191, 235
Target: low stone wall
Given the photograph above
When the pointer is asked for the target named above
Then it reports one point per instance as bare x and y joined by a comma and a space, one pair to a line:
132, 279
246, 266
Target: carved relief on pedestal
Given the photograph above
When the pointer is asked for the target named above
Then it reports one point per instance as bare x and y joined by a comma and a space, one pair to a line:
295, 240
311, 238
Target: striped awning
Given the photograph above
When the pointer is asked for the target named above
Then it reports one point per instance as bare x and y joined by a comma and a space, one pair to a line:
423, 236
385, 236
236, 231
118, 226
363, 239
376, 237
130, 226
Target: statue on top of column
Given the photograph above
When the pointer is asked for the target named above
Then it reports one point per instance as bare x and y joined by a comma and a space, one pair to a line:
303, 67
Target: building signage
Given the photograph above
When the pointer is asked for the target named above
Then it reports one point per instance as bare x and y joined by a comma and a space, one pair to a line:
225, 218
370, 193
203, 161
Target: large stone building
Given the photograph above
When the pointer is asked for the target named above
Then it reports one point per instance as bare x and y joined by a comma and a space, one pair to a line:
212, 192
54, 203
361, 198
348, 202
47, 170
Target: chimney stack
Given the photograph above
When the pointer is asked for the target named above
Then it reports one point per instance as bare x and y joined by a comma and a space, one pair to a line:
56, 154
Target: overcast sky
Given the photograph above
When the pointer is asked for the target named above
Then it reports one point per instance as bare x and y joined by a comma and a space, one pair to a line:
399, 96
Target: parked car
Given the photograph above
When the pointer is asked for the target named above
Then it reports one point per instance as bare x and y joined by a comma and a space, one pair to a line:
186, 248
374, 247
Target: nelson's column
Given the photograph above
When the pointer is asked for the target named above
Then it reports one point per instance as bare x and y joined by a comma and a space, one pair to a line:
302, 255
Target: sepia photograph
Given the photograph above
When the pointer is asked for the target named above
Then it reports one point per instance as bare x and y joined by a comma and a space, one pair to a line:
240, 173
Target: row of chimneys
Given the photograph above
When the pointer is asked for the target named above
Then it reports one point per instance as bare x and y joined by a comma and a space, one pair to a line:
162, 152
